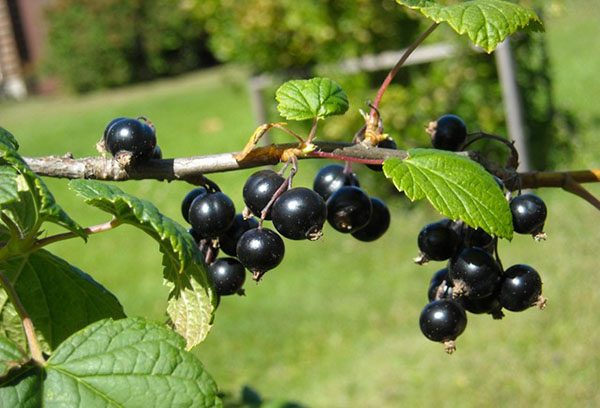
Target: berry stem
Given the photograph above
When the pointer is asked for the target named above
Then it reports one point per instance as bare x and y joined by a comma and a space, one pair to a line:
287, 184
313, 131
107, 226
513, 159
29, 329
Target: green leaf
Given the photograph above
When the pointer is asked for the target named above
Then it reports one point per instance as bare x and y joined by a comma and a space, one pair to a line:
7, 140
59, 298
8, 184
486, 22
192, 299
455, 185
311, 98
20, 380
129, 363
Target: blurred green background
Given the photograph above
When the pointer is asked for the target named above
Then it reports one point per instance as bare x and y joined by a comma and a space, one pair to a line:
336, 325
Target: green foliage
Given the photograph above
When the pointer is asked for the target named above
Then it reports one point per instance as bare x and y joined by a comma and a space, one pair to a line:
128, 362
311, 98
192, 299
486, 22
120, 42
456, 186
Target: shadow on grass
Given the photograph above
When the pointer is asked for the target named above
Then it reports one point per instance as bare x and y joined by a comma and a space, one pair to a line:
250, 398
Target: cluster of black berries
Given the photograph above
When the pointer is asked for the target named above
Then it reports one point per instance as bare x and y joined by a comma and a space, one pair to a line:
133, 139
474, 280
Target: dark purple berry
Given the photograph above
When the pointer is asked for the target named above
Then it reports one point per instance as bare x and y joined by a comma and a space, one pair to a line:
157, 155
229, 239
520, 288
488, 304
443, 320
110, 124
131, 135
438, 241
187, 201
299, 213
529, 214
330, 178
437, 279
477, 237
378, 223
259, 250
386, 144
259, 190
228, 276
211, 214
449, 133
349, 209
475, 273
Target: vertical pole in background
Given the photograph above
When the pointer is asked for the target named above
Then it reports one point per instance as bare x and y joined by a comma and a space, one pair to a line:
256, 85
11, 80
512, 102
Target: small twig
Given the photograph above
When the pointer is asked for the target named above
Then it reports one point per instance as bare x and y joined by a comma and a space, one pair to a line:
313, 131
32, 341
573, 187
107, 226
513, 160
287, 184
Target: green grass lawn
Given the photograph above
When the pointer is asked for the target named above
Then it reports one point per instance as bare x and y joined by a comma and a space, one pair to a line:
336, 325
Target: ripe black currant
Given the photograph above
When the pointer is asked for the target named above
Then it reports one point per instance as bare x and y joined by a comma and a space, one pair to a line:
228, 276
349, 209
229, 239
488, 304
437, 279
529, 214
448, 133
259, 189
475, 273
211, 214
187, 201
438, 241
378, 223
477, 237
131, 135
521, 287
259, 250
386, 144
443, 320
299, 213
110, 124
330, 178
157, 154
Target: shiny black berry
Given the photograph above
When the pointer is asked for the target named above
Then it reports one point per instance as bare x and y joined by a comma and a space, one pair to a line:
110, 124
438, 278
349, 209
187, 201
521, 287
229, 239
131, 135
449, 133
475, 273
378, 223
211, 214
299, 213
386, 144
330, 178
228, 276
157, 154
443, 320
529, 214
488, 304
438, 241
259, 250
259, 190
477, 237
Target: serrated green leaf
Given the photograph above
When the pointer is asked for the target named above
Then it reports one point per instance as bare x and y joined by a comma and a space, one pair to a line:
8, 184
455, 185
192, 299
127, 363
20, 380
486, 22
7, 141
311, 98
59, 298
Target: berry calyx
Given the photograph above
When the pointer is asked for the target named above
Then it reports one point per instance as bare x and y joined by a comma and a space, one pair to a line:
299, 213
448, 133
521, 288
349, 209
475, 273
228, 276
133, 136
229, 239
443, 321
211, 214
529, 214
259, 189
378, 223
436, 290
437, 241
330, 178
260, 250
386, 144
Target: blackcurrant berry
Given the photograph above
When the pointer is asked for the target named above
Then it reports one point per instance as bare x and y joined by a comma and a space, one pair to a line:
386, 144
443, 320
488, 304
259, 189
349, 209
437, 279
521, 287
330, 178
187, 201
157, 155
110, 124
228, 276
438, 241
229, 239
529, 214
477, 237
449, 133
299, 213
378, 223
475, 273
131, 135
259, 250
211, 214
